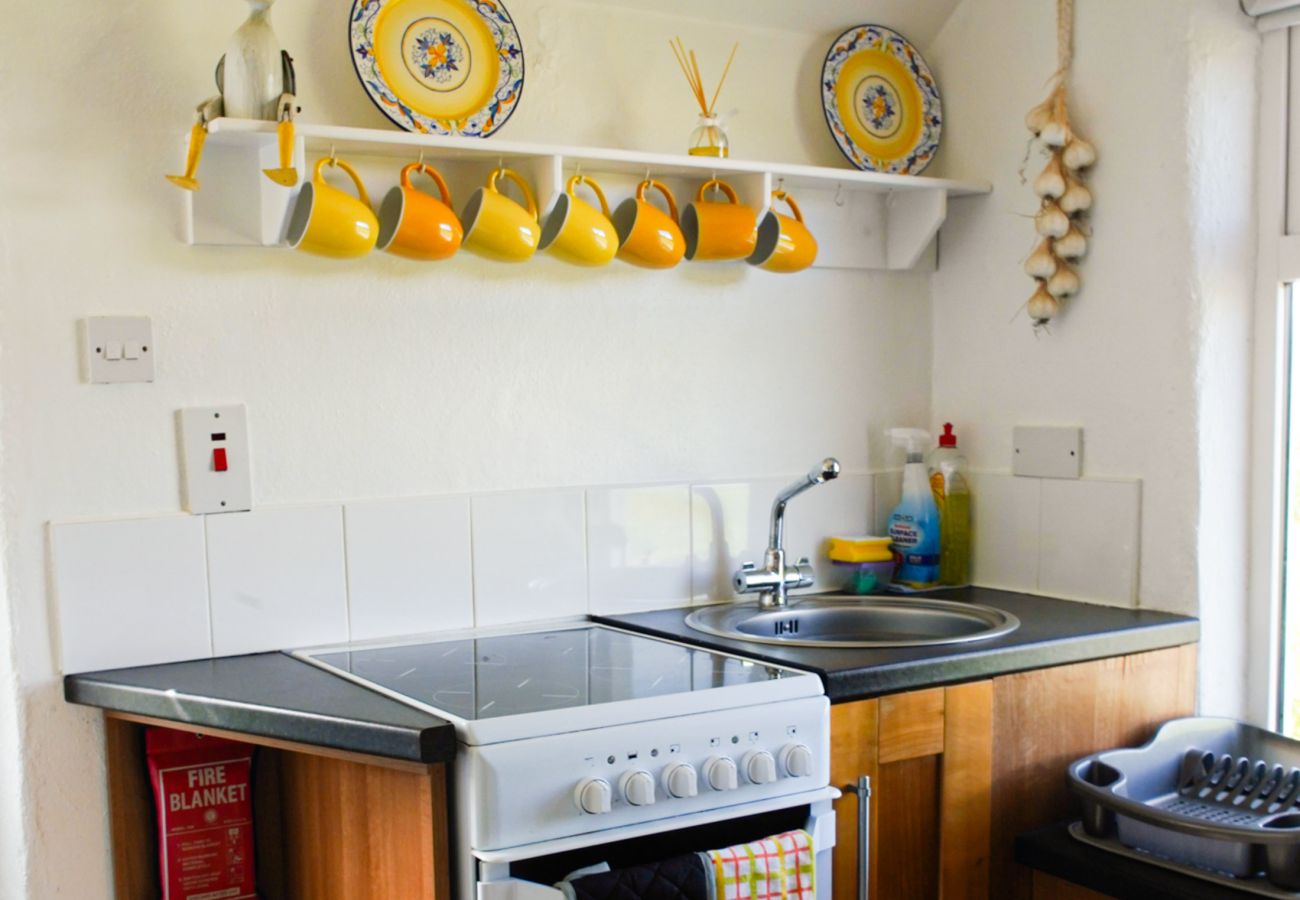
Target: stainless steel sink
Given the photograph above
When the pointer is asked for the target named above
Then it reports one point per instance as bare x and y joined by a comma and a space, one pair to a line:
852, 621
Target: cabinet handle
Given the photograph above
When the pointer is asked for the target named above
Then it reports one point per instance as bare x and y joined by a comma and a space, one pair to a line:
863, 790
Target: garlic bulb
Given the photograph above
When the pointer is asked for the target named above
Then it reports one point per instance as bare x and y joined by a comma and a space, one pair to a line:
1076, 198
1056, 133
1079, 154
1041, 263
1042, 306
1038, 117
1051, 221
1051, 182
1072, 246
1065, 283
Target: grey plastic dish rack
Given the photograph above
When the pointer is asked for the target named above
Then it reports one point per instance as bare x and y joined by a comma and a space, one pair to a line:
1209, 793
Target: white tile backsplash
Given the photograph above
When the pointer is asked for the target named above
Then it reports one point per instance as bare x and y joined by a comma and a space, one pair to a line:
530, 556
638, 548
1089, 540
1004, 530
276, 579
409, 566
131, 592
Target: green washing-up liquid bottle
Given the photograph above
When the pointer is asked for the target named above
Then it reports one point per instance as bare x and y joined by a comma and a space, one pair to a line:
950, 484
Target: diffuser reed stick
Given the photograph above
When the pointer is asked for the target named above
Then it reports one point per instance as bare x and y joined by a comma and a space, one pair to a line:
708, 138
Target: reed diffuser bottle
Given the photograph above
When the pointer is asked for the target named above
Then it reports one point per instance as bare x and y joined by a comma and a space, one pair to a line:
709, 137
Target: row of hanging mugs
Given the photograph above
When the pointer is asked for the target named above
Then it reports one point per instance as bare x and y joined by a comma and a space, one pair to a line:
416, 224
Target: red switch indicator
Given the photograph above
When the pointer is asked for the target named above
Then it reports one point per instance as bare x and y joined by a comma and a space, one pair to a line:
219, 459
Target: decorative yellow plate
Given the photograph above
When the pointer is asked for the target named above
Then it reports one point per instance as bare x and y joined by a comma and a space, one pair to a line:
440, 66
881, 101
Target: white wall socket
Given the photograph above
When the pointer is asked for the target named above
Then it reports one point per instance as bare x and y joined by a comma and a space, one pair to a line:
117, 349
215, 465
1047, 452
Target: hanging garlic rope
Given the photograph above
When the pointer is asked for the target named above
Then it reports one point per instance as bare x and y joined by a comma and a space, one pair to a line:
1064, 197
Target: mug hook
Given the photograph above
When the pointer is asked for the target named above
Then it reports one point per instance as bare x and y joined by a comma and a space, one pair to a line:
780, 185
420, 162
647, 173
839, 194
333, 160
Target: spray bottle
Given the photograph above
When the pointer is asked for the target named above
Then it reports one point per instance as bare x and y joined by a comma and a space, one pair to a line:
914, 523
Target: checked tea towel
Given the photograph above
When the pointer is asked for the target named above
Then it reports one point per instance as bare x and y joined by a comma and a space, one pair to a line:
780, 867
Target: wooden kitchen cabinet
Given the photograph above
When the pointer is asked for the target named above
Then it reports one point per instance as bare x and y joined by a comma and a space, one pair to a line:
957, 772
329, 825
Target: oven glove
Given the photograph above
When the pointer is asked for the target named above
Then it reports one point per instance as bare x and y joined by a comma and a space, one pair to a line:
780, 867
678, 878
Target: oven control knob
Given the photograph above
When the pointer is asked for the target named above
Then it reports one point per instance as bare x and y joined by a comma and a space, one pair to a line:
759, 766
593, 795
680, 780
797, 760
638, 787
720, 773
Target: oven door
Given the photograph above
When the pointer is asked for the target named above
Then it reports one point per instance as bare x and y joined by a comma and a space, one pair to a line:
528, 872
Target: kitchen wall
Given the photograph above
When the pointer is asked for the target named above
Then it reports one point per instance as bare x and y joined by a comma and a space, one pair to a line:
379, 379
1152, 358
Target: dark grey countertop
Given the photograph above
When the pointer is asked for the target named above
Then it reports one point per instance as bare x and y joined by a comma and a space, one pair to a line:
270, 695
1051, 633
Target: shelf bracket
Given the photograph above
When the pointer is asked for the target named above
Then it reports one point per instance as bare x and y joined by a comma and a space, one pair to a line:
914, 218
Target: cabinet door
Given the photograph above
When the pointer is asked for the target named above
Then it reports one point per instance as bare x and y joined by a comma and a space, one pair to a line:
929, 757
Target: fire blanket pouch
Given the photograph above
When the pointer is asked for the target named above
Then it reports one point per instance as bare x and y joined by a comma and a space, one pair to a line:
203, 791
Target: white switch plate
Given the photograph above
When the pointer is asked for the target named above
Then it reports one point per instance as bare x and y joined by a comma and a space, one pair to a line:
1047, 452
117, 349
204, 431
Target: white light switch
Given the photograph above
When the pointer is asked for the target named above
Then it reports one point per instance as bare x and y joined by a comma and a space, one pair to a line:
118, 349
214, 459
1047, 452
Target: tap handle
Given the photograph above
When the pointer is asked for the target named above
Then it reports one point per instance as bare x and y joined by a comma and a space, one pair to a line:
804, 570
827, 470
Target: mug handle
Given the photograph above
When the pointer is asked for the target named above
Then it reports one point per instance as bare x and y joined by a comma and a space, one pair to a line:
432, 173
661, 188
595, 189
319, 176
721, 185
523, 186
789, 201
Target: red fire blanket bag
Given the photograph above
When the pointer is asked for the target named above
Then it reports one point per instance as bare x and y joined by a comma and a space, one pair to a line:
203, 791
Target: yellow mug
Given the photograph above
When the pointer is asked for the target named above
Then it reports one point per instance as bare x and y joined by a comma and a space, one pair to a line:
576, 231
328, 222
496, 226
417, 225
647, 236
716, 230
783, 244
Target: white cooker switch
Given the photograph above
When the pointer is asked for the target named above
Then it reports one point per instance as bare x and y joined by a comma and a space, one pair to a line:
593, 795
720, 772
680, 780
759, 766
638, 787
797, 760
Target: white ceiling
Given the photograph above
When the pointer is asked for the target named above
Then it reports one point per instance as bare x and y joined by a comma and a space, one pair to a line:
917, 20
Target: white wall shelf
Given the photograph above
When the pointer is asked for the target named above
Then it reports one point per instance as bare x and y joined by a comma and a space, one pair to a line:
863, 220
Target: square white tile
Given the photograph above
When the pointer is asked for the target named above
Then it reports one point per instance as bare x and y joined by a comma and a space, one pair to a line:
730, 525
276, 579
638, 548
132, 592
409, 567
1089, 540
1004, 531
888, 494
530, 556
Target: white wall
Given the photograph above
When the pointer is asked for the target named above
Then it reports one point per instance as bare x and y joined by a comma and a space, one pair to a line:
1152, 358
379, 378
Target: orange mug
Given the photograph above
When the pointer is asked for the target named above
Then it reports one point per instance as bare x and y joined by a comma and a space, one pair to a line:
717, 230
783, 244
647, 236
417, 225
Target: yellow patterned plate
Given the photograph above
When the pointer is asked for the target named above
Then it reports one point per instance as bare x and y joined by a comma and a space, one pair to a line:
881, 101
440, 66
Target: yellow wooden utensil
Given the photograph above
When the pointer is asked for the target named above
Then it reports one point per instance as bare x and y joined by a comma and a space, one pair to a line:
286, 175
198, 134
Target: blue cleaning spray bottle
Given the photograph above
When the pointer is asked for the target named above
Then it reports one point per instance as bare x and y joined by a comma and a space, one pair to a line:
914, 523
